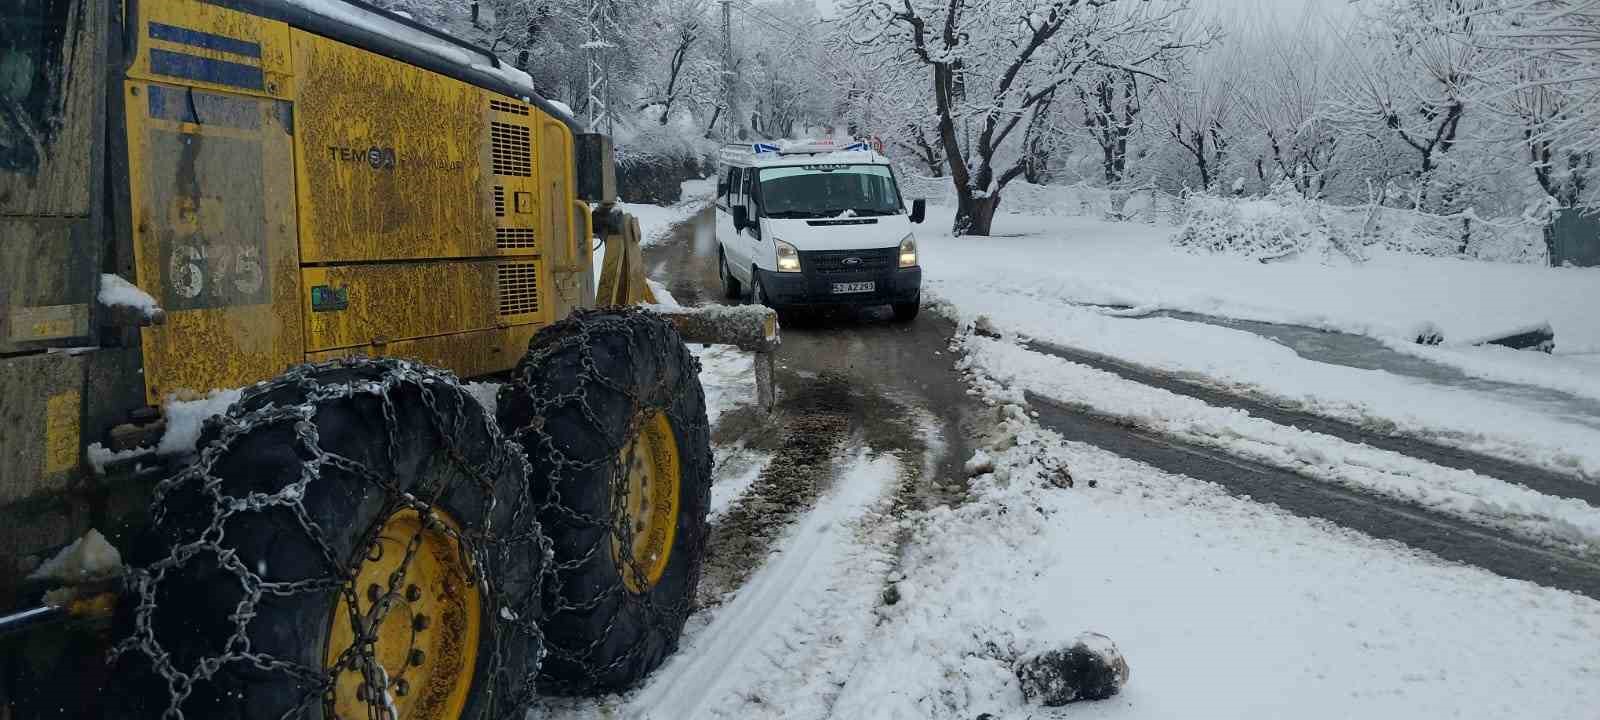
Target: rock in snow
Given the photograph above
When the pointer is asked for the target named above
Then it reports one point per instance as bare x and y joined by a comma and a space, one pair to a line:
980, 464
1091, 669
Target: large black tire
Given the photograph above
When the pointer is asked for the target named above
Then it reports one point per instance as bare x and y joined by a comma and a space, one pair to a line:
732, 289
256, 542
907, 311
574, 404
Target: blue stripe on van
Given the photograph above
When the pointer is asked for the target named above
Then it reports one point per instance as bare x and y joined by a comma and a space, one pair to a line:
173, 33
195, 67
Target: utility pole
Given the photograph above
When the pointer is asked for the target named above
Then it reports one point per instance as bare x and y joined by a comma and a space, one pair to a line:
598, 53
730, 127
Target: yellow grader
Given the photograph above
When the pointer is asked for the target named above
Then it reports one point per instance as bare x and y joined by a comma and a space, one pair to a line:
340, 211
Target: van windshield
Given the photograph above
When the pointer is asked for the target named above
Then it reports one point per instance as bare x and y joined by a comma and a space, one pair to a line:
812, 191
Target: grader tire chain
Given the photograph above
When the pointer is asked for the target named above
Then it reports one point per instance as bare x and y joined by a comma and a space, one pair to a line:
257, 540
571, 404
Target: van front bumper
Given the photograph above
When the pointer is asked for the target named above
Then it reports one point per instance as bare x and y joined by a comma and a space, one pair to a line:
896, 285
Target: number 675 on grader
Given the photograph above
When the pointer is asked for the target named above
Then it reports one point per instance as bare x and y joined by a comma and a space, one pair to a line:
198, 194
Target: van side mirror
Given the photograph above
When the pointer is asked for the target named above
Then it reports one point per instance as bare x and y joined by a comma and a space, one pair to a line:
741, 217
919, 210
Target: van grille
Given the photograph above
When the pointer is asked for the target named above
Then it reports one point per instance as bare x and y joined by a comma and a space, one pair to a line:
513, 238
519, 288
506, 107
830, 262
511, 150
499, 201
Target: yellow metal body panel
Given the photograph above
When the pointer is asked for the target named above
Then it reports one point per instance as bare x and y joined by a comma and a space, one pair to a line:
466, 354
213, 222
404, 301
296, 198
392, 159
61, 434
228, 44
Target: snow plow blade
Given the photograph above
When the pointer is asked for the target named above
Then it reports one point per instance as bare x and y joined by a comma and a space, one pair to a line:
748, 327
753, 328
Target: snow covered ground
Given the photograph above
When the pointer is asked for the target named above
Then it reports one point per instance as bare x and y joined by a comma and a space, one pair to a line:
1224, 608
1038, 275
1462, 493
1083, 260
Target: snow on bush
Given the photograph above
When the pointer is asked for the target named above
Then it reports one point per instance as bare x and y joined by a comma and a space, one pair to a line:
1285, 224
1464, 234
1281, 225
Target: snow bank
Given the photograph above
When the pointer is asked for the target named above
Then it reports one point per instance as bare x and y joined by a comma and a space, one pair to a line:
1460, 493
1224, 607
729, 377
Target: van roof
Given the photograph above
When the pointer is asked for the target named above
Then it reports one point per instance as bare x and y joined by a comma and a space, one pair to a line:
794, 154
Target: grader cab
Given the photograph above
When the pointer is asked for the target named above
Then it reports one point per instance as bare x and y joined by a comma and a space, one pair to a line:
326, 213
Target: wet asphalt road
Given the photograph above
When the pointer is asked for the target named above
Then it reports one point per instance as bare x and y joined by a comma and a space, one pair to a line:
846, 379
854, 377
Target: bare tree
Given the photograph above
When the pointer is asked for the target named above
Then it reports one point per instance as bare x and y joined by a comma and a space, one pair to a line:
1198, 113
1282, 100
1417, 82
993, 63
1112, 99
1547, 88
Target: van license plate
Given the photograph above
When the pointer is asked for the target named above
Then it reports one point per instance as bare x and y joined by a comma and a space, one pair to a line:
855, 287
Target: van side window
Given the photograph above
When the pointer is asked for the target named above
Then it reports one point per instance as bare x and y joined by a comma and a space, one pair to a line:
727, 184
735, 187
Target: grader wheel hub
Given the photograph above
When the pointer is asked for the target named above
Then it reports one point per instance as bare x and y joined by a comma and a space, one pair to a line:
422, 619
642, 547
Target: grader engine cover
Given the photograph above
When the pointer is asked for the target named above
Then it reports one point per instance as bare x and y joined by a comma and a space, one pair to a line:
295, 198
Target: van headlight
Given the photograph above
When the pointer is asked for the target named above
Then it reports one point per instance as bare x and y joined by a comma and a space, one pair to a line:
788, 257
908, 251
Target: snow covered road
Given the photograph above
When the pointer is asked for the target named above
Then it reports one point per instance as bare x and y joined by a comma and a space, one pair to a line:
867, 574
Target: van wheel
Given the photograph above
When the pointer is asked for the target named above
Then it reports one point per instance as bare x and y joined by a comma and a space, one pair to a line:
758, 293
730, 284
907, 311
353, 539
609, 407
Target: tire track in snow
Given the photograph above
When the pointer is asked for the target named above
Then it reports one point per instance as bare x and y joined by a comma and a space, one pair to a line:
1529, 476
1443, 535
782, 646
